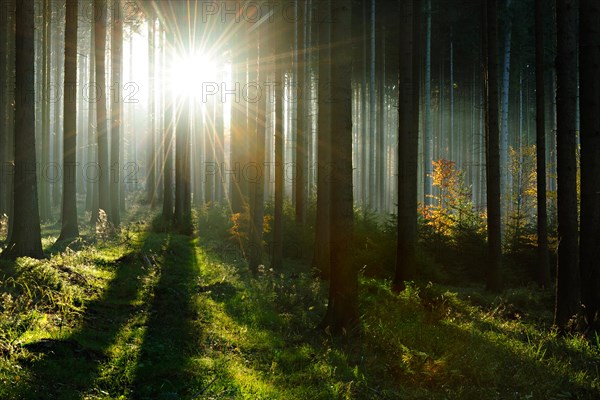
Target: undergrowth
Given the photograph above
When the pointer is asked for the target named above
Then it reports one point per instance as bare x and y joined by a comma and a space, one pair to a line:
160, 316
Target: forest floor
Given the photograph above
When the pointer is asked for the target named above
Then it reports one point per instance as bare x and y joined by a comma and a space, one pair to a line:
160, 316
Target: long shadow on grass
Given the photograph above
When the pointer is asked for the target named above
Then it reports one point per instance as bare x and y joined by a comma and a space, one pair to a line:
404, 349
68, 367
162, 370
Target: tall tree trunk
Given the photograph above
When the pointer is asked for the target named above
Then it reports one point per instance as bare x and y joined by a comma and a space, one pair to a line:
151, 144
238, 118
380, 150
115, 132
257, 154
4, 133
427, 133
183, 206
56, 142
492, 144
363, 109
372, 107
220, 147
281, 53
321, 257
168, 143
25, 238
408, 141
69, 227
505, 176
101, 117
589, 65
453, 139
45, 209
568, 274
342, 310
543, 262
301, 10
91, 200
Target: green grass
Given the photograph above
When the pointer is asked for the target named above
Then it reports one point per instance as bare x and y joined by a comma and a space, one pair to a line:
159, 316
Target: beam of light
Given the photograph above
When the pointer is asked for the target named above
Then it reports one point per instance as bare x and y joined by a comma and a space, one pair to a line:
190, 73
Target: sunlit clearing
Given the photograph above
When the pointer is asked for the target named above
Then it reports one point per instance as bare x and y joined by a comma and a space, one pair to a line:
189, 74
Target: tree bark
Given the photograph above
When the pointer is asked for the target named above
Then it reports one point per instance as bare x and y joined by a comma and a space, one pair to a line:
151, 144
45, 209
4, 111
25, 238
342, 310
505, 176
281, 53
101, 114
543, 261
568, 274
408, 145
115, 132
492, 145
427, 133
589, 65
257, 154
301, 124
70, 228
168, 145
321, 257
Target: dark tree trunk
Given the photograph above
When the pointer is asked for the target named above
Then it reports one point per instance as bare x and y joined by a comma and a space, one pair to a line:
408, 146
543, 262
568, 274
168, 145
4, 133
70, 228
321, 257
342, 310
25, 238
589, 65
183, 200
493, 148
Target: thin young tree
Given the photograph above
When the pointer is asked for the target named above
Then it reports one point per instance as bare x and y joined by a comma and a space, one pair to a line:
568, 274
492, 146
69, 226
589, 67
25, 238
342, 310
